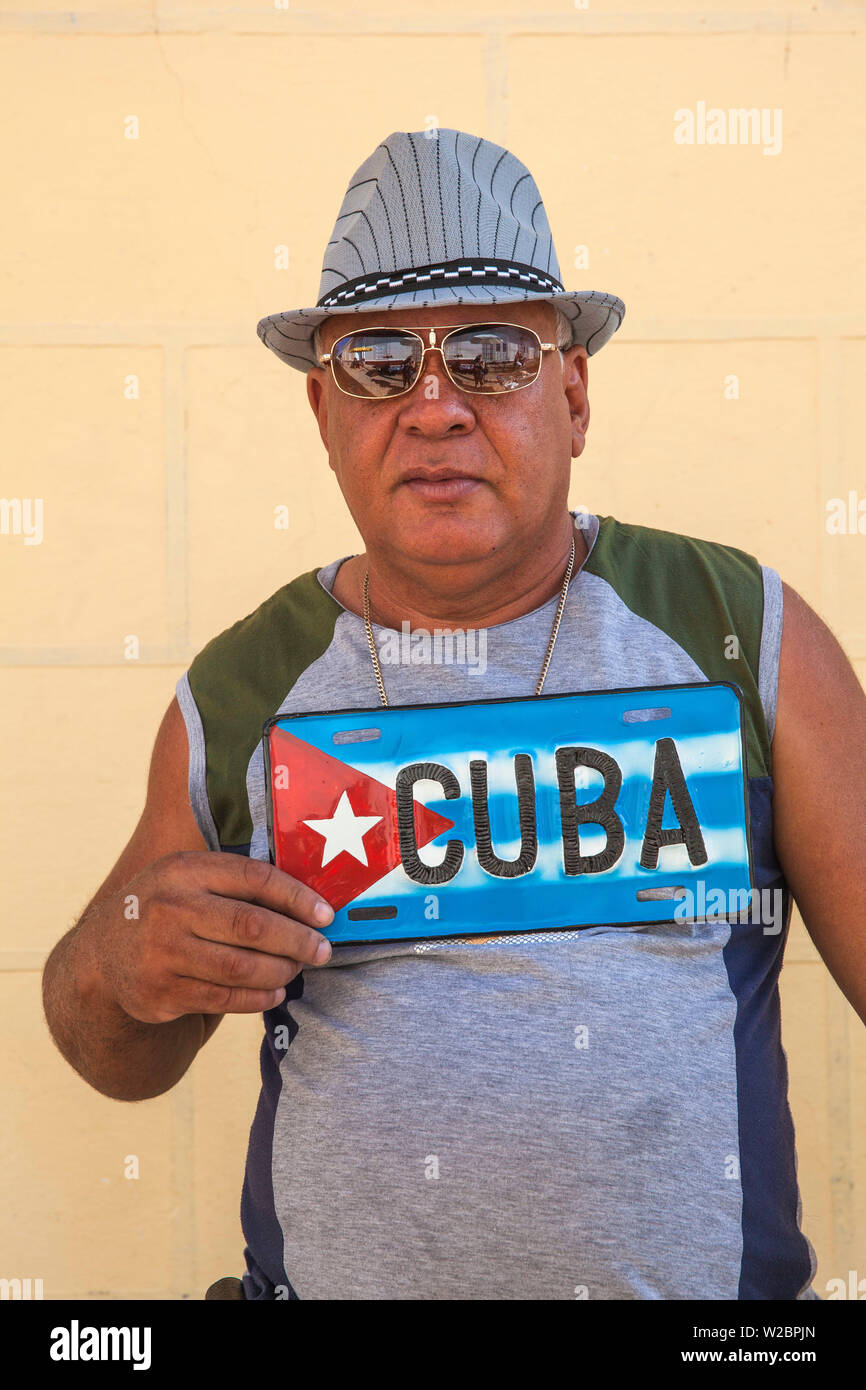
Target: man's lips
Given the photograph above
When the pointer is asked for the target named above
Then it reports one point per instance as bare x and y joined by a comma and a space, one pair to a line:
440, 484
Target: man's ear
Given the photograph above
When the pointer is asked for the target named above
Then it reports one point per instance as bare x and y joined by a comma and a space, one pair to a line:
574, 381
317, 396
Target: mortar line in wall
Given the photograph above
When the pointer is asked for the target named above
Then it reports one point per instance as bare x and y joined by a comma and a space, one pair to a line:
183, 1204
496, 87
176, 494
832, 455
638, 330
427, 23
839, 1136
829, 461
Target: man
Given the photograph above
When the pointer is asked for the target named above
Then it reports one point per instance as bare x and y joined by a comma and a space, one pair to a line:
592, 1111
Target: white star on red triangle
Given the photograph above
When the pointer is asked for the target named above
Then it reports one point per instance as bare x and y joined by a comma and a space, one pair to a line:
343, 831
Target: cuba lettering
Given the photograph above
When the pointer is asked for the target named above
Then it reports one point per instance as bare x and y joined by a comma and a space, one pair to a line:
667, 778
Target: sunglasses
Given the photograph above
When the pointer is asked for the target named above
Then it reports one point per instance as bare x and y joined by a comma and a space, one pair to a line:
486, 359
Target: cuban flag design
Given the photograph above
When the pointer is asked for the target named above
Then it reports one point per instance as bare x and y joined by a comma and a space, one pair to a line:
604, 808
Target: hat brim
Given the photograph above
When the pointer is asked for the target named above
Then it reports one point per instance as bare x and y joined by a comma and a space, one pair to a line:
595, 316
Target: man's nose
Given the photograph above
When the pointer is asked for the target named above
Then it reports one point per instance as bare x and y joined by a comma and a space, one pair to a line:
435, 395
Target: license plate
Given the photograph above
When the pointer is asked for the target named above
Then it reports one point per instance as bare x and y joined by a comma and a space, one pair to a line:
603, 808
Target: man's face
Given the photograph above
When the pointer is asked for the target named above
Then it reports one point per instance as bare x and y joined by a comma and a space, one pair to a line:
497, 466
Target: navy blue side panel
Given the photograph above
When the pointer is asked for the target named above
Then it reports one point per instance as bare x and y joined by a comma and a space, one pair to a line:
259, 1222
261, 1229
776, 1261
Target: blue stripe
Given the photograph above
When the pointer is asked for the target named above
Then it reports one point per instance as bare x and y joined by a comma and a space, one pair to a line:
262, 1230
776, 1262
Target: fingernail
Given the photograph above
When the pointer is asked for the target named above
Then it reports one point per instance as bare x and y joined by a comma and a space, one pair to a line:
323, 913
279, 996
323, 952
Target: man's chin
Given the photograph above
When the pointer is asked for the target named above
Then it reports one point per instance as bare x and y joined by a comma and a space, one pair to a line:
446, 532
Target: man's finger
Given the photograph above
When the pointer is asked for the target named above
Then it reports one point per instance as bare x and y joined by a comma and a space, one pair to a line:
257, 929
205, 997
253, 880
218, 964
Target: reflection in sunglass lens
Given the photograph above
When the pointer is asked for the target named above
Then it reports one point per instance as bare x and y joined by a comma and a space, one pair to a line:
493, 357
376, 363
489, 357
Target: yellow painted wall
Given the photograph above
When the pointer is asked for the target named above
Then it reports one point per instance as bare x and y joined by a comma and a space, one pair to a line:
155, 257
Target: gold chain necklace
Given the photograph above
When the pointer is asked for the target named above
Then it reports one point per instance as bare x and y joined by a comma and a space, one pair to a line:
374, 655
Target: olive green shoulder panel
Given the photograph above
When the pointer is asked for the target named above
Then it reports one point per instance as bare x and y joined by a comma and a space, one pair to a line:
702, 594
241, 678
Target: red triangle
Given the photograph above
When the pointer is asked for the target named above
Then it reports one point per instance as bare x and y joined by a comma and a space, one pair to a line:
307, 784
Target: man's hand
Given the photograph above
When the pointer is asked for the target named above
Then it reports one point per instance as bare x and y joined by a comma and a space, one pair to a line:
214, 934
819, 792
176, 937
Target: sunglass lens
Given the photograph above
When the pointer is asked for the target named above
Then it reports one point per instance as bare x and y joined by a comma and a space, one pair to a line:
493, 357
377, 363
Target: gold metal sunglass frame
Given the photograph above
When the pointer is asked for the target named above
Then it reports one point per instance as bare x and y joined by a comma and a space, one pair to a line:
327, 357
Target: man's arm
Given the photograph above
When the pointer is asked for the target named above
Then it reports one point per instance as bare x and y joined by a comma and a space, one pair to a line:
819, 792
118, 1055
